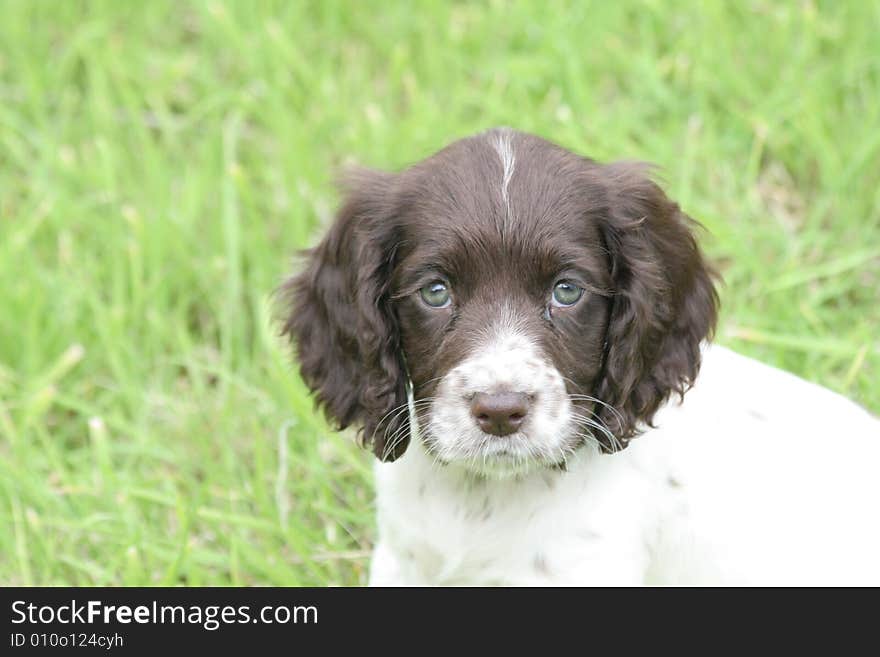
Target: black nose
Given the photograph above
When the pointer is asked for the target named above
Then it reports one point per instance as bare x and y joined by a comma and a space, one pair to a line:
501, 413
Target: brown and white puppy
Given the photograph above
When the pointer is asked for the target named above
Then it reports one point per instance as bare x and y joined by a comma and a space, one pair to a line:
516, 314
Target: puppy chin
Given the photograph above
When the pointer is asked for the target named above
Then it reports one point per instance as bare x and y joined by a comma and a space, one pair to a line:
503, 467
493, 457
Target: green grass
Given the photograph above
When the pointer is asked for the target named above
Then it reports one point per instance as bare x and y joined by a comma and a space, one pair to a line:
160, 164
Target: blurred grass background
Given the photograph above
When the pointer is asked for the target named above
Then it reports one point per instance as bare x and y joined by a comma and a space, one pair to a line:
161, 162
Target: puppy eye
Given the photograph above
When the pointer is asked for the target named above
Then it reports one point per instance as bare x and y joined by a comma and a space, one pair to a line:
435, 294
566, 293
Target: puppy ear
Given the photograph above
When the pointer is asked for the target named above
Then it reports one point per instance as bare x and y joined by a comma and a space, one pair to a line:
341, 322
664, 301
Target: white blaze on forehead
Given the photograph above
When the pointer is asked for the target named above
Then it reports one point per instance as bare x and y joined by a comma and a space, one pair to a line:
501, 142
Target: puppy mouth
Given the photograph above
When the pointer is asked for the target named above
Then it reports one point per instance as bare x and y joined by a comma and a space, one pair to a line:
499, 456
504, 449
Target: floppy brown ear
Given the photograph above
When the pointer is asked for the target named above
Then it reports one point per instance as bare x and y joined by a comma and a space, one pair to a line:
340, 320
664, 301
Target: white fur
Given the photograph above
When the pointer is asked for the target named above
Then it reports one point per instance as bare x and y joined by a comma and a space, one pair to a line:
501, 142
506, 361
758, 477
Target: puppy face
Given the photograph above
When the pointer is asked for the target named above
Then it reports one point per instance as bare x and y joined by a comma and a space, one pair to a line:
536, 300
502, 291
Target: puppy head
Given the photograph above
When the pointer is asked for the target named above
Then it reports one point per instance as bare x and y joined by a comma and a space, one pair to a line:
537, 300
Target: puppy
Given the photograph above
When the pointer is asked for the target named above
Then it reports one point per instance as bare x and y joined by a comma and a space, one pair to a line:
514, 328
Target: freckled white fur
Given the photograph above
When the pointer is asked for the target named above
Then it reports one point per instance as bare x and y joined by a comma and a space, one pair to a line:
507, 361
757, 478
501, 142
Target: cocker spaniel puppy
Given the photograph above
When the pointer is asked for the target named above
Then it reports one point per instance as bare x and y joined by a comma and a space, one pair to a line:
521, 335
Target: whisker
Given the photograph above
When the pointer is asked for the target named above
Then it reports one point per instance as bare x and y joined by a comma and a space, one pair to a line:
396, 411
396, 439
596, 400
405, 404
430, 381
590, 440
594, 424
